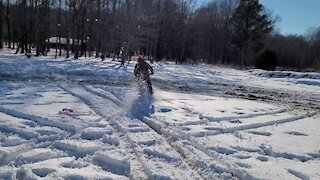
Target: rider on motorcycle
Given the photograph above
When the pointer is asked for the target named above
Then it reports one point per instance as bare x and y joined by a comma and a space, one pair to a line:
142, 72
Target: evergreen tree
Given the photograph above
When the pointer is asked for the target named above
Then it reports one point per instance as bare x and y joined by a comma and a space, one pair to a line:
250, 25
266, 60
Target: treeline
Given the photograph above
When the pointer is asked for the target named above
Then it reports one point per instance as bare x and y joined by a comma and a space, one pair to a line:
296, 51
223, 31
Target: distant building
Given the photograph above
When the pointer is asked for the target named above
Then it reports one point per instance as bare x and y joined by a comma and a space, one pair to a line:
55, 42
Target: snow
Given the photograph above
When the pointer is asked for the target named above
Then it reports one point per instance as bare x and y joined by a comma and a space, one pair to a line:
311, 82
287, 74
92, 133
109, 163
36, 155
310, 78
203, 122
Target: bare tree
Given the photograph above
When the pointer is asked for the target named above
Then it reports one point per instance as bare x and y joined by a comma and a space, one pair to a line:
1, 15
174, 30
68, 11
8, 24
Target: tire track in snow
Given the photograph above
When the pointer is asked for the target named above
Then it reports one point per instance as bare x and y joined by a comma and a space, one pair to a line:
24, 138
175, 134
39, 122
270, 123
170, 140
84, 96
177, 149
221, 130
110, 97
143, 150
99, 106
171, 137
212, 119
96, 102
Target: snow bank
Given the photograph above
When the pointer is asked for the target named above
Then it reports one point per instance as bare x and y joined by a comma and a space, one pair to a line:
308, 78
286, 74
311, 82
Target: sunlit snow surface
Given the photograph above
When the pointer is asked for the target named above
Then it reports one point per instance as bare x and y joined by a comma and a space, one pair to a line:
191, 128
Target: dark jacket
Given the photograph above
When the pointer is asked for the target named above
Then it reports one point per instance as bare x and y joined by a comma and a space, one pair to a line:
143, 70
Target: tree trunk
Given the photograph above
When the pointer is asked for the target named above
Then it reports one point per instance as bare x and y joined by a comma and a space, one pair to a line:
47, 24
8, 23
23, 30
73, 27
31, 24
1, 14
59, 27
98, 27
67, 26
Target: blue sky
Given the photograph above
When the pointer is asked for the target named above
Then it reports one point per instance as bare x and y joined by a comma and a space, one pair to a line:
297, 16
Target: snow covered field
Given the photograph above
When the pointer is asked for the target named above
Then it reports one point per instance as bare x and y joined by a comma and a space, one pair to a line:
203, 122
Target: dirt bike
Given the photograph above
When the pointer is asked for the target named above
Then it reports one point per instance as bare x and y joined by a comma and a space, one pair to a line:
145, 86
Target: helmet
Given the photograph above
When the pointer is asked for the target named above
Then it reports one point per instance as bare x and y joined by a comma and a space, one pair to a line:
140, 58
